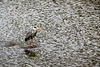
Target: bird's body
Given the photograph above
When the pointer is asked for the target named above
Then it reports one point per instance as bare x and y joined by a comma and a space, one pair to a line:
31, 34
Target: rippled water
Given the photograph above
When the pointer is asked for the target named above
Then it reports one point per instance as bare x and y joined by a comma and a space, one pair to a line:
70, 35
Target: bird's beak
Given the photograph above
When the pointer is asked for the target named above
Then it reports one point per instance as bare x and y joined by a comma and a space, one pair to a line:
38, 28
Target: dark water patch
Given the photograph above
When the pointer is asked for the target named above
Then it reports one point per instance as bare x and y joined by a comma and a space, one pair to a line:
10, 44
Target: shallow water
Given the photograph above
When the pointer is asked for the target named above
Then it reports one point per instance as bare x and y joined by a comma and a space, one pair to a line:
70, 35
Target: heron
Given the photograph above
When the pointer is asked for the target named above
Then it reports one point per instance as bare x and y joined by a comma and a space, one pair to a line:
31, 34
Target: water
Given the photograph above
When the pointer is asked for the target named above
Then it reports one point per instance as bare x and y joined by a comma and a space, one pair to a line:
70, 35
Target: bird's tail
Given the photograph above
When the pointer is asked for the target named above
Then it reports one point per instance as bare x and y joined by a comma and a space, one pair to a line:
26, 39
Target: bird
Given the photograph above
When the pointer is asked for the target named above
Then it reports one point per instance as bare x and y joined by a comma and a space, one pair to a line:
31, 34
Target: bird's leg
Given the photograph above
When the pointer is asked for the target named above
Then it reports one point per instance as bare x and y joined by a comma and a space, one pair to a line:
33, 44
30, 43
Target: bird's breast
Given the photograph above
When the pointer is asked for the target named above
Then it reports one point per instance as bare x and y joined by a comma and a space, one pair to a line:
32, 31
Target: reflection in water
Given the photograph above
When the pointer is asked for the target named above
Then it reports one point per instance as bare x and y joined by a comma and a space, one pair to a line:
30, 53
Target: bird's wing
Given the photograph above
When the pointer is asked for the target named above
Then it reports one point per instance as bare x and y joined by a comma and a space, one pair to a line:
28, 36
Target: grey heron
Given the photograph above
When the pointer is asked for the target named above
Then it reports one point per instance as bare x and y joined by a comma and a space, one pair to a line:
31, 34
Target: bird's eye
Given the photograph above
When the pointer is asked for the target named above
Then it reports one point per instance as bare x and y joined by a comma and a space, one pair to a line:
34, 27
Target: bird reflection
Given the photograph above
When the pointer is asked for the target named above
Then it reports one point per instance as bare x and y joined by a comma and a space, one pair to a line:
30, 53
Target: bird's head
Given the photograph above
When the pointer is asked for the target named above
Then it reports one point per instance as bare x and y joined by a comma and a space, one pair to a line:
36, 28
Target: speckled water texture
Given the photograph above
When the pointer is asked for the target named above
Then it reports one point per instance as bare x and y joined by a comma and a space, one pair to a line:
70, 35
